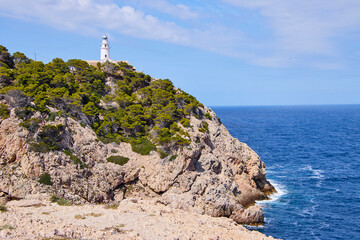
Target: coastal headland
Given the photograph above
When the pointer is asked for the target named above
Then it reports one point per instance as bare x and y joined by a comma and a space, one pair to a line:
85, 135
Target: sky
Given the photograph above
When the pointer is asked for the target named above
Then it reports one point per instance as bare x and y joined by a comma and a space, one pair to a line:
224, 52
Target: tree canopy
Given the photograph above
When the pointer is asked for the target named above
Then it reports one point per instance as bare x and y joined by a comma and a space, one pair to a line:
119, 103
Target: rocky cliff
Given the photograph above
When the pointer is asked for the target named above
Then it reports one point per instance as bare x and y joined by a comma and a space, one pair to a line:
79, 147
215, 175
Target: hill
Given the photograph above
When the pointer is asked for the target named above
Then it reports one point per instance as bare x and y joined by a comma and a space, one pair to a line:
85, 134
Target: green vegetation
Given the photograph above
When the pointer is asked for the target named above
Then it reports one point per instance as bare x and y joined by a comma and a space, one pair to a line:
185, 122
208, 116
205, 127
111, 206
120, 160
75, 159
173, 157
6, 227
59, 201
139, 110
79, 216
3, 208
4, 111
39, 147
52, 116
32, 125
162, 153
45, 178
143, 146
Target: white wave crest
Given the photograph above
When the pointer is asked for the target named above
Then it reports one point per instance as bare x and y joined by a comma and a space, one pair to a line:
280, 191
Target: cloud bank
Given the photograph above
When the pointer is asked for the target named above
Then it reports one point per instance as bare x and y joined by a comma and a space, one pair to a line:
281, 33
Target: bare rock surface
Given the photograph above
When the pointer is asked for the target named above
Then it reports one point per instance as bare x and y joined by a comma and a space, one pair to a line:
34, 218
216, 174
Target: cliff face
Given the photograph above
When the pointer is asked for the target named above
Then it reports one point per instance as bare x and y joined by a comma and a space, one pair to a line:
105, 133
215, 175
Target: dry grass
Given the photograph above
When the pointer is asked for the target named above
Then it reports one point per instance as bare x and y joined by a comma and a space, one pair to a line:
111, 206
79, 216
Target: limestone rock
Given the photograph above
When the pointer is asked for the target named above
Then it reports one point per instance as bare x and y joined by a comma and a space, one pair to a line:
215, 175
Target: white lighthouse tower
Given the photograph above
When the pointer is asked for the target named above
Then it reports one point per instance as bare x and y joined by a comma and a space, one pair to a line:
105, 50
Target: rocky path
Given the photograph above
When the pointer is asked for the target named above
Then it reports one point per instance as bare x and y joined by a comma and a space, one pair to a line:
130, 219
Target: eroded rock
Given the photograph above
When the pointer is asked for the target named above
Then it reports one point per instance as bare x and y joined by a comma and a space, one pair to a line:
215, 175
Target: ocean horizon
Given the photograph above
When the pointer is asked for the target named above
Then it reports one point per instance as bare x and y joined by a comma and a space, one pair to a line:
312, 155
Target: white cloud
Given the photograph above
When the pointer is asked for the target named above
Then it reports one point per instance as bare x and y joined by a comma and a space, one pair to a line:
306, 27
92, 17
180, 11
293, 30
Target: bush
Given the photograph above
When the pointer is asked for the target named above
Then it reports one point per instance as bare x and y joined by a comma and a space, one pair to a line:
59, 201
51, 136
180, 141
143, 146
120, 160
75, 159
173, 157
32, 125
205, 127
39, 147
3, 208
52, 116
162, 154
45, 178
24, 112
4, 111
185, 122
208, 116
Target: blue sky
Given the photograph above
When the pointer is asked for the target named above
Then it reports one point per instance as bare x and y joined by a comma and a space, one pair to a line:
224, 52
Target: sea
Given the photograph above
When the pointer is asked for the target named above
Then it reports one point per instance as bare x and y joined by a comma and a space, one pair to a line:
312, 156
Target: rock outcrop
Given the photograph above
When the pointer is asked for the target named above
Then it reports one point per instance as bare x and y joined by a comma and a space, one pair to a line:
32, 218
215, 175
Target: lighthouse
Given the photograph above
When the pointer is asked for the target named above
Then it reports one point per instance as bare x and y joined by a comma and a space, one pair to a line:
105, 50
104, 54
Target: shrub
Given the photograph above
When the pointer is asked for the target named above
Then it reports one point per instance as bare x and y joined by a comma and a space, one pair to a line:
51, 136
3, 208
111, 206
45, 178
185, 122
32, 125
180, 141
120, 160
173, 157
24, 112
52, 116
79, 216
6, 227
75, 159
205, 127
208, 116
162, 153
59, 201
39, 147
143, 146
4, 111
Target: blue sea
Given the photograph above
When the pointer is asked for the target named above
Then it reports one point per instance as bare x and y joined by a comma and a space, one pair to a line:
312, 155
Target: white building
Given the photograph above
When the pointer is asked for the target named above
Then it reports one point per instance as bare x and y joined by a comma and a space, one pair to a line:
104, 53
105, 50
